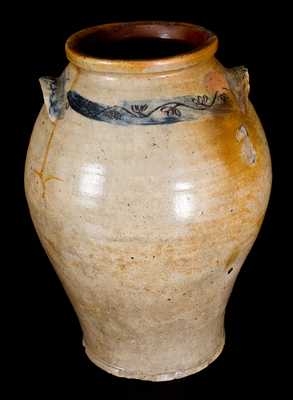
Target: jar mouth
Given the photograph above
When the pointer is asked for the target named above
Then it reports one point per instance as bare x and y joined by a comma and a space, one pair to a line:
140, 47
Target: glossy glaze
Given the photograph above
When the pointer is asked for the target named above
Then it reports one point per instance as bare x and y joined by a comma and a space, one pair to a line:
147, 226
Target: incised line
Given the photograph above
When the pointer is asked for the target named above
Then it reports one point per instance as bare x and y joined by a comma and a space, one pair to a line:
41, 173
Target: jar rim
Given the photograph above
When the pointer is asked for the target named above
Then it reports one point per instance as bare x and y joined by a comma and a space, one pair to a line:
203, 43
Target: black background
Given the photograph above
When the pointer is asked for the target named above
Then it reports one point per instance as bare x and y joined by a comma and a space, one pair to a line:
44, 338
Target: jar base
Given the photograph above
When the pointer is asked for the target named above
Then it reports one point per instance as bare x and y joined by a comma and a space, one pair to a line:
167, 376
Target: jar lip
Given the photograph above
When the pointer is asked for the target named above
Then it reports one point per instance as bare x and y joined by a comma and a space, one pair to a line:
203, 42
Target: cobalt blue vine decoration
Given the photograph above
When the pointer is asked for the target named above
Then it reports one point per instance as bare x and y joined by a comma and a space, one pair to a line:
178, 109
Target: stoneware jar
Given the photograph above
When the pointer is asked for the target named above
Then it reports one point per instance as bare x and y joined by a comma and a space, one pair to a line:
147, 177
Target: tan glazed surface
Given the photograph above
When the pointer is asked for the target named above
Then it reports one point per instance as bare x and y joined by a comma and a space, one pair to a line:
147, 220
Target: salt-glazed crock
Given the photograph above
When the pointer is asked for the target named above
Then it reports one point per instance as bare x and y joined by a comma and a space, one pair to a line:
147, 177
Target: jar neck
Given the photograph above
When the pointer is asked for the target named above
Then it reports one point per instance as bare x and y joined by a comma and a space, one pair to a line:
140, 47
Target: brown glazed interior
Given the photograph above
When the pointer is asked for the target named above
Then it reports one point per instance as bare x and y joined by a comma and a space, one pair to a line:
140, 41
140, 45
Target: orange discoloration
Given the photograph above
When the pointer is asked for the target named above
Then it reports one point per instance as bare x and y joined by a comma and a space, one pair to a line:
41, 173
44, 179
145, 247
45, 159
214, 81
232, 258
50, 177
51, 245
260, 221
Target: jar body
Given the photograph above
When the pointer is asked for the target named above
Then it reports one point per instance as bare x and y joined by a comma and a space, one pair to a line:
147, 225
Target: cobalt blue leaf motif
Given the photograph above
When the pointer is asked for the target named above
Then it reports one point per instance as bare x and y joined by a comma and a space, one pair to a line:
154, 112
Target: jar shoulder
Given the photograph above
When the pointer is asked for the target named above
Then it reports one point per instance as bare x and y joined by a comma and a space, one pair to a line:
174, 172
